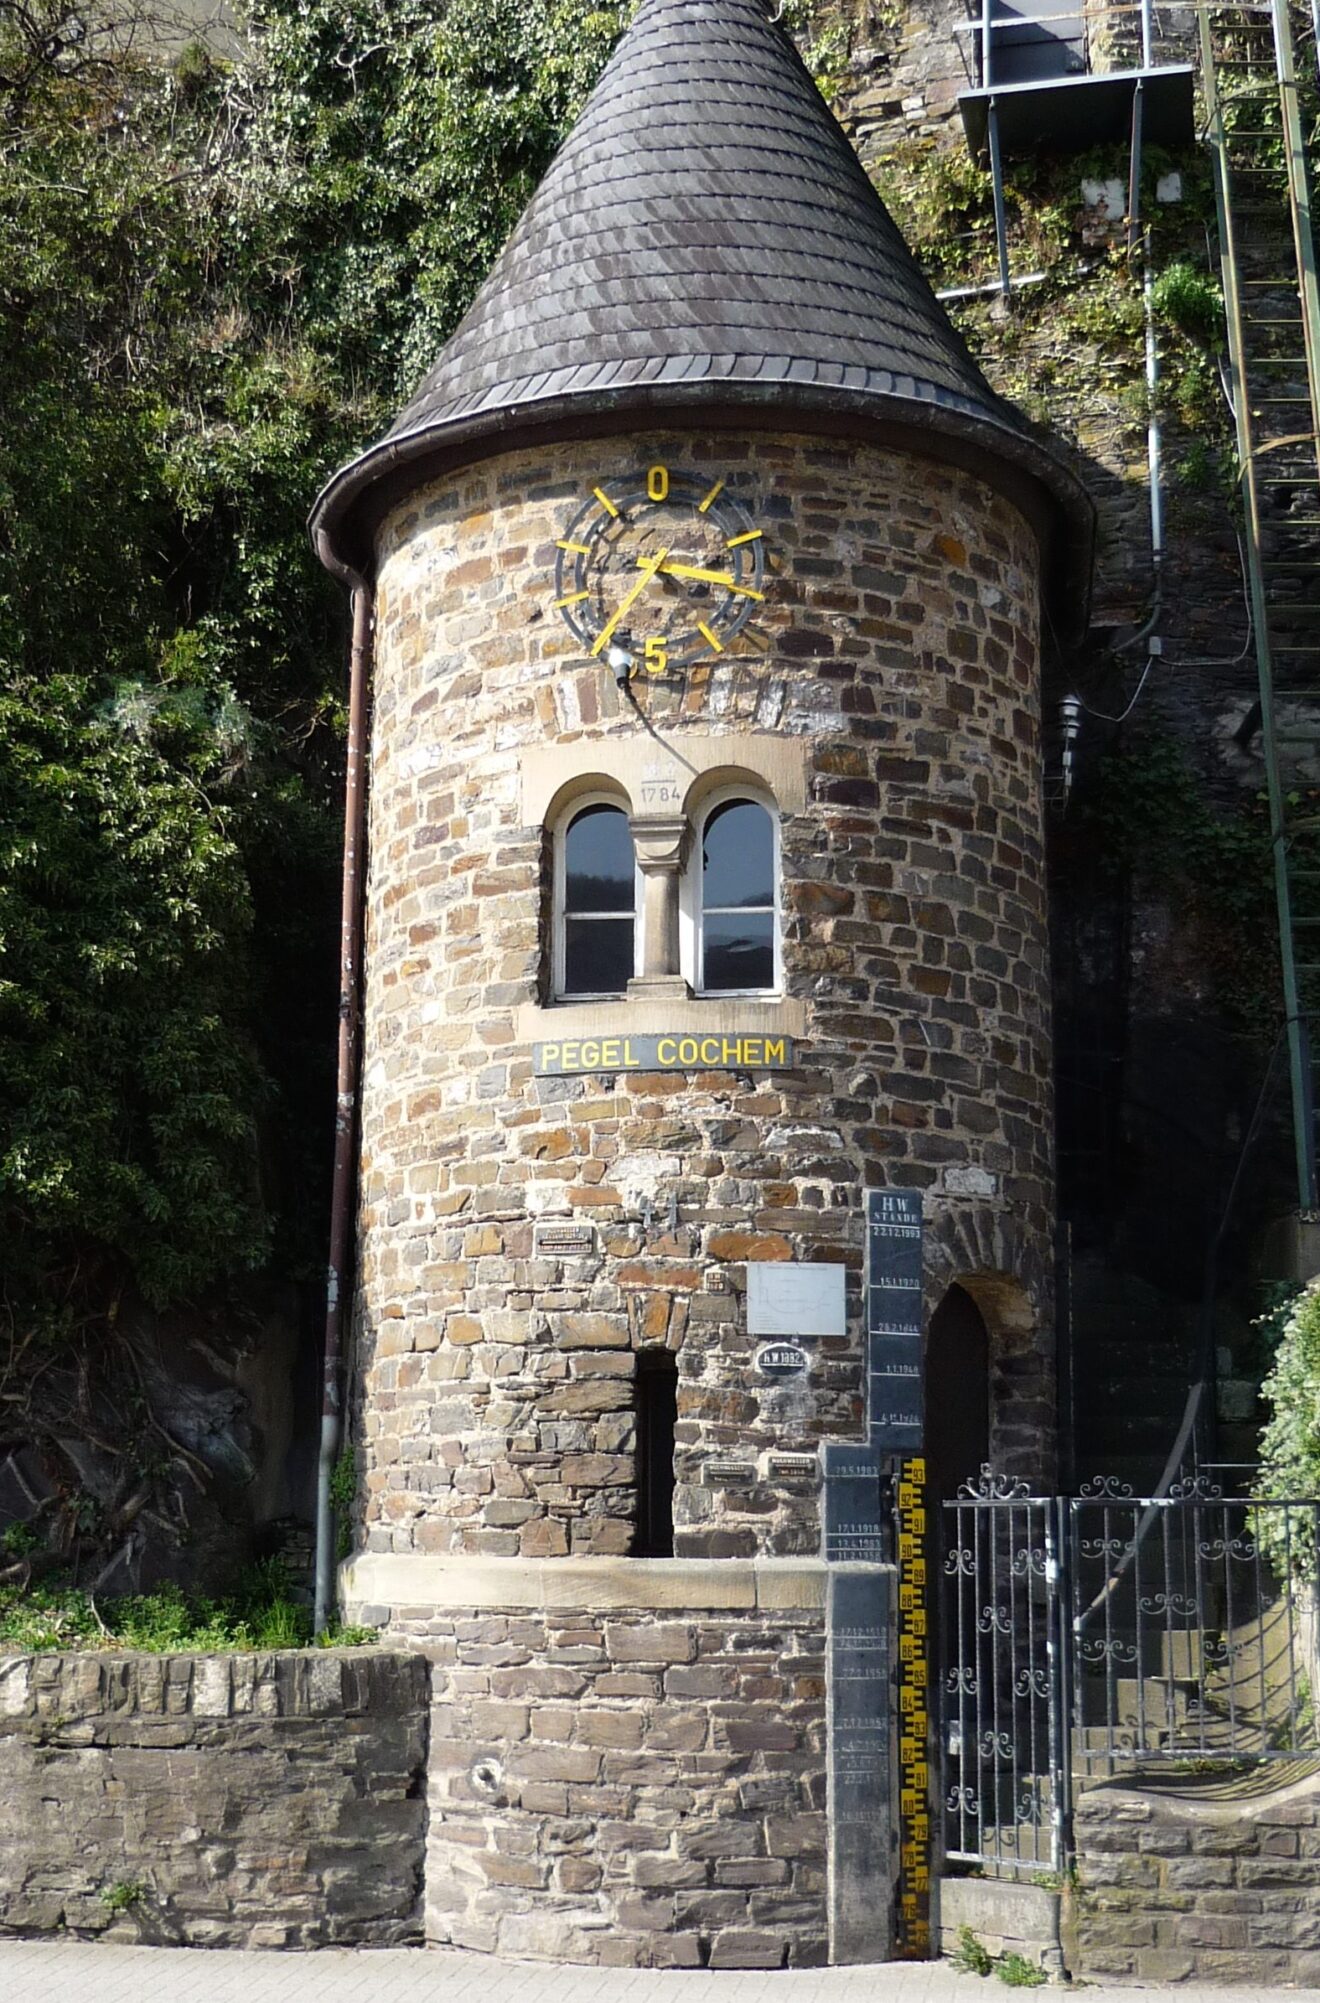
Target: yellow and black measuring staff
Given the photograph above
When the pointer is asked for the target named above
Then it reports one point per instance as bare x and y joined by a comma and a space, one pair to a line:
914, 1716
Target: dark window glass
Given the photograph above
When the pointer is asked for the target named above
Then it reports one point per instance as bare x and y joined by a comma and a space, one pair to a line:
738, 858
598, 955
598, 862
656, 1396
599, 903
738, 898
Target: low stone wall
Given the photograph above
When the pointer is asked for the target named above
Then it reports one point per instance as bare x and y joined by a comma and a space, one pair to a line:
214, 1800
1213, 1882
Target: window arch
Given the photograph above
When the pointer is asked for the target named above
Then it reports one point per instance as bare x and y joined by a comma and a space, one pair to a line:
595, 901
735, 897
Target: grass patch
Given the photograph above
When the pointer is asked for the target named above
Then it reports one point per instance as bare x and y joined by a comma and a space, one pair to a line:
258, 1614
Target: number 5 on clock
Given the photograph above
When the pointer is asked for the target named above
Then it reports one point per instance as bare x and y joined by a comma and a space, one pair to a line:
657, 657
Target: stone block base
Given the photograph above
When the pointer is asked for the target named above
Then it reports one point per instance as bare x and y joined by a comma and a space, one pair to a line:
1006, 1917
629, 1789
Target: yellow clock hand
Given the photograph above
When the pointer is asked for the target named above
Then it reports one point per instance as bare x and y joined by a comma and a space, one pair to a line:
709, 577
649, 566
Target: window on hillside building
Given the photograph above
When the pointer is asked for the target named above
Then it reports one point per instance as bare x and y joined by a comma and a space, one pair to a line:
737, 909
595, 903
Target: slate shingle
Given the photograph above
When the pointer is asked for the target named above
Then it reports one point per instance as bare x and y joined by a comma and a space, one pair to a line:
706, 231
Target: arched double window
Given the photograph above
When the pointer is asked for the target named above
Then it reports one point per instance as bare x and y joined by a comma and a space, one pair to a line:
595, 903
736, 899
721, 881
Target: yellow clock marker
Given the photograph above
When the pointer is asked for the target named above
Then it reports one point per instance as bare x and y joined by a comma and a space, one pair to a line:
576, 548
573, 598
708, 636
716, 490
605, 502
735, 542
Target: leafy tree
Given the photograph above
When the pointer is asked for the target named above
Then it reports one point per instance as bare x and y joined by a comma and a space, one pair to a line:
218, 278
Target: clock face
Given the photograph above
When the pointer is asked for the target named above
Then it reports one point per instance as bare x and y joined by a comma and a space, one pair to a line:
663, 564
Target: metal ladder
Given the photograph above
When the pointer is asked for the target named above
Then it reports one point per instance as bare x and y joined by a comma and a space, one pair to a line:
1272, 305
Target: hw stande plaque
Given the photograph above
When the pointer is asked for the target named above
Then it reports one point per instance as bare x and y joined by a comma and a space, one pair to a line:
715, 1051
895, 1390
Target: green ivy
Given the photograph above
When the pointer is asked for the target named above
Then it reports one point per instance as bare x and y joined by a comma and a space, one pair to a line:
1290, 1438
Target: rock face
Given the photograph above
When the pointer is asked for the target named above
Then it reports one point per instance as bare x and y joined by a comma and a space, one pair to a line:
630, 1750
214, 1801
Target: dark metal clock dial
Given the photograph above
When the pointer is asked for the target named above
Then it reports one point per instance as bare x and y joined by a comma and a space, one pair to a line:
669, 566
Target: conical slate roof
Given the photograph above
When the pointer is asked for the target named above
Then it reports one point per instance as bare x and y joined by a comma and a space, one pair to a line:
705, 242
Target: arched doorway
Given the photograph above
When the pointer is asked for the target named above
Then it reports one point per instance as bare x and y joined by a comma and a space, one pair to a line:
957, 1396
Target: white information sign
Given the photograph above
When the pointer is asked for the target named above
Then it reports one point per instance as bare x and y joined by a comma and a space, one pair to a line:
795, 1300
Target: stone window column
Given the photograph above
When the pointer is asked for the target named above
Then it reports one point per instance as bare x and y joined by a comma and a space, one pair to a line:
662, 846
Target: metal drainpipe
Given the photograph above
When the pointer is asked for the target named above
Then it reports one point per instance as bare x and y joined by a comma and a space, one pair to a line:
350, 973
1155, 469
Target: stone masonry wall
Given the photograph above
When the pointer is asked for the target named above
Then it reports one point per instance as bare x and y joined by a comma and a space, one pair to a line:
632, 1791
629, 1754
214, 1801
1218, 1882
897, 649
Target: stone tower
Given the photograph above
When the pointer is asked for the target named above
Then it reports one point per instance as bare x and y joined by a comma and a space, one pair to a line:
706, 893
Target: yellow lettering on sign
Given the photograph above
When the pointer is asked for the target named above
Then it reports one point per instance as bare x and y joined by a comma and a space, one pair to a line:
570, 1056
774, 1050
590, 1054
710, 1050
687, 1050
630, 1063
657, 484
666, 1051
549, 1055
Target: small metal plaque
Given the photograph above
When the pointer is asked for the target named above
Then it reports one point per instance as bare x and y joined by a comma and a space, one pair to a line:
792, 1467
729, 1474
563, 1241
782, 1359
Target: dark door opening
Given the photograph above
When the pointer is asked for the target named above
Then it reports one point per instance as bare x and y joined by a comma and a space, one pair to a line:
957, 1396
656, 1405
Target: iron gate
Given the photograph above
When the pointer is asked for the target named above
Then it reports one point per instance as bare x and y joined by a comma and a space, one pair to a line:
1085, 1635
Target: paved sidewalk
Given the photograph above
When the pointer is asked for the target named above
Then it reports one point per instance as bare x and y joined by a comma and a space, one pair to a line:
95, 1972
